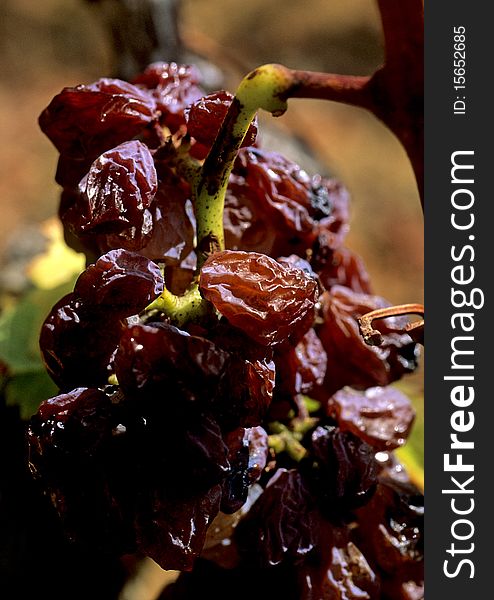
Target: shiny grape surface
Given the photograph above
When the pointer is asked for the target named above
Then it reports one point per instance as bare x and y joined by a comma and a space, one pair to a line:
260, 418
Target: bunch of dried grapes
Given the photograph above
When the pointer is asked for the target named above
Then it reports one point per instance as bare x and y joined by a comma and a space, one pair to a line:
251, 445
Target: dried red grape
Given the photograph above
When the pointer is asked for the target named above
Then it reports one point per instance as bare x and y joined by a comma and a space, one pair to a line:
204, 119
120, 185
122, 282
245, 224
173, 87
282, 524
77, 343
338, 570
167, 230
265, 299
343, 471
84, 121
340, 267
175, 533
245, 391
380, 416
294, 206
390, 530
163, 361
103, 464
299, 368
350, 360
68, 448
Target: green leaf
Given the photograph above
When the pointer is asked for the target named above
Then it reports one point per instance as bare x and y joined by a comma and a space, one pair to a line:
27, 384
28, 391
20, 326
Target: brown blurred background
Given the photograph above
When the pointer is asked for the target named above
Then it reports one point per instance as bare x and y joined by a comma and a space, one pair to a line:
47, 45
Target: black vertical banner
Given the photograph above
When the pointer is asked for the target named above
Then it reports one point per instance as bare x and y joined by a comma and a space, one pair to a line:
459, 198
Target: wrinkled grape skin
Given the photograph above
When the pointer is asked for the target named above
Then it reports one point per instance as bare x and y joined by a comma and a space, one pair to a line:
245, 224
167, 232
120, 281
175, 535
390, 530
282, 524
120, 185
337, 570
163, 233
350, 360
247, 454
292, 206
341, 468
84, 121
174, 87
382, 417
82, 331
246, 387
167, 363
163, 361
204, 119
146, 465
340, 267
245, 391
77, 344
302, 367
67, 440
103, 464
265, 299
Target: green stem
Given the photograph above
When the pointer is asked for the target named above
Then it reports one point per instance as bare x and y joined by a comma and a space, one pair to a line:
262, 88
180, 309
283, 440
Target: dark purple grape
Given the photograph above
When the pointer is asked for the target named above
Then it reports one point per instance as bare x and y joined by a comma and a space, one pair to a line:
245, 391
163, 361
337, 570
69, 449
341, 468
302, 367
236, 485
247, 453
390, 530
282, 524
173, 531
119, 484
83, 410
77, 343
121, 282
382, 417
